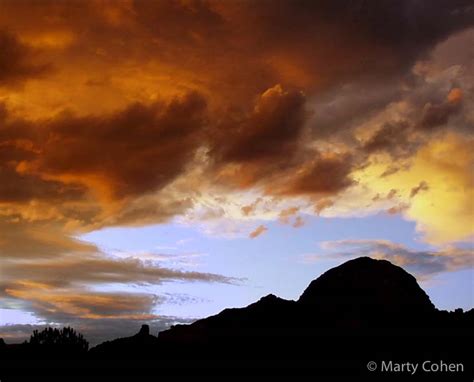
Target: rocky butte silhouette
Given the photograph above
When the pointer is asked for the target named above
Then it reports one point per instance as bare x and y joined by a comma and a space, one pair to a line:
363, 310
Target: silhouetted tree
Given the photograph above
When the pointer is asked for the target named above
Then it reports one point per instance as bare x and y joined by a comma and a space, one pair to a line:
65, 338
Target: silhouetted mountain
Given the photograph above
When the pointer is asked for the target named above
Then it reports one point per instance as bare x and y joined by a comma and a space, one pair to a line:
367, 292
143, 339
363, 310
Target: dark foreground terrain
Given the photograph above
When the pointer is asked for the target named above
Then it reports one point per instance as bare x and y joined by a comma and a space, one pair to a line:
366, 319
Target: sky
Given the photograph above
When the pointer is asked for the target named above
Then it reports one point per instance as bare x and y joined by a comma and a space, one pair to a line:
163, 160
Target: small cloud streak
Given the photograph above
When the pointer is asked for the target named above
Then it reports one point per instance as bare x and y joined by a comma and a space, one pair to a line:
260, 230
423, 186
299, 222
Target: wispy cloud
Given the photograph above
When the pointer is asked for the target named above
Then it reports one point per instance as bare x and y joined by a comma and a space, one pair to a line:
423, 263
260, 230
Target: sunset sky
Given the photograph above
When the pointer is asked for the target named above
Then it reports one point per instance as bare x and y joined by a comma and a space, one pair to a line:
163, 160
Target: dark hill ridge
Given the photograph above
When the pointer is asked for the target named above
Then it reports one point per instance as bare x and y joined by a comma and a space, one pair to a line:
362, 310
360, 293
142, 339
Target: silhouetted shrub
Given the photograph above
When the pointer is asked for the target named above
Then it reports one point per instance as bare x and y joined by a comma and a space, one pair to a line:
59, 339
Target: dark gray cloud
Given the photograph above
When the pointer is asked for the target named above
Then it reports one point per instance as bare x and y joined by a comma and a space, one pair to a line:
435, 115
392, 138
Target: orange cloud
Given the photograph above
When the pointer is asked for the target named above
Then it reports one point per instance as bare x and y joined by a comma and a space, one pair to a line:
285, 214
52, 303
299, 222
260, 230
16, 61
